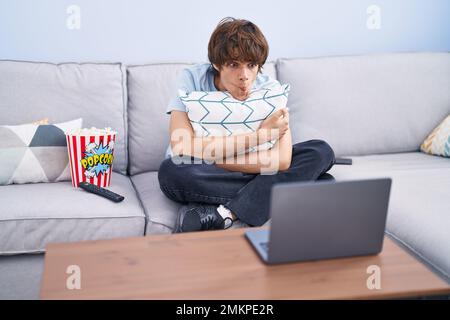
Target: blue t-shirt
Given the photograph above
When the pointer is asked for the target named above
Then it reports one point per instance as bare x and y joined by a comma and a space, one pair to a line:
200, 77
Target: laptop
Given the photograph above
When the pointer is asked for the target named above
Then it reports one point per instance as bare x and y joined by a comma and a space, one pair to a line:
323, 220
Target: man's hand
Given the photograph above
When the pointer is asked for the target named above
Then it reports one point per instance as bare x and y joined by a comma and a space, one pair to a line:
276, 125
276, 159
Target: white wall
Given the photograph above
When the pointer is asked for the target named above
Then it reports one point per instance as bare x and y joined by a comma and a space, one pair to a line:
138, 31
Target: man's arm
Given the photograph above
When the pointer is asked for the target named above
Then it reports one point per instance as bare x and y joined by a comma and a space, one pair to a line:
276, 159
183, 141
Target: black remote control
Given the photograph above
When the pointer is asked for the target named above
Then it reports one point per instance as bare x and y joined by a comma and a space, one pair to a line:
101, 191
347, 161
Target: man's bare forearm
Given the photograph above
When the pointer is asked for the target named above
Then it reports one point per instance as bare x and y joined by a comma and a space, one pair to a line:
218, 147
278, 158
255, 162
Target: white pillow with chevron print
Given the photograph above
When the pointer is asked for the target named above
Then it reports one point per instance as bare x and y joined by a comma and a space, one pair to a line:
438, 141
31, 153
217, 113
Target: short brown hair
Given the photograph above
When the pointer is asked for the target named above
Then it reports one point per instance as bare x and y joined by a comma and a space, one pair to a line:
237, 39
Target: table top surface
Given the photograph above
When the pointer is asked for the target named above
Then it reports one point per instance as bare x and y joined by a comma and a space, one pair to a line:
223, 265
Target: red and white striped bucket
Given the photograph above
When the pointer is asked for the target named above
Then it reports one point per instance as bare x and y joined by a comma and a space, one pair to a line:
91, 157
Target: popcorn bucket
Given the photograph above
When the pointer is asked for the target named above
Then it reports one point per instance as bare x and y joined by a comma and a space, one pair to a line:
91, 155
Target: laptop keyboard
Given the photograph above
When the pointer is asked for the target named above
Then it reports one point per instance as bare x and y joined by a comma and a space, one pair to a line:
264, 246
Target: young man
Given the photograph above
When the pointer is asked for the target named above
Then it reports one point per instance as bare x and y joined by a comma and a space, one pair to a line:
219, 193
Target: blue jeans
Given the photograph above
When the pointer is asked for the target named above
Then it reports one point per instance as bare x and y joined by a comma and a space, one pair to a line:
246, 195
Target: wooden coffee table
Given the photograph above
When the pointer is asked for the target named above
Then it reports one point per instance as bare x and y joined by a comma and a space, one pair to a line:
223, 265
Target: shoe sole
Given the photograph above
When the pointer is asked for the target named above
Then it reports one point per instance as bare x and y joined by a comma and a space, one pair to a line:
177, 227
181, 212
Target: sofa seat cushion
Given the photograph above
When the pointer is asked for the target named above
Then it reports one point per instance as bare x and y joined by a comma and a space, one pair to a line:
161, 212
419, 208
34, 215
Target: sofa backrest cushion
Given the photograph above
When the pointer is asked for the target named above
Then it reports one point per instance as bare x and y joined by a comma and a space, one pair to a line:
94, 92
367, 104
150, 87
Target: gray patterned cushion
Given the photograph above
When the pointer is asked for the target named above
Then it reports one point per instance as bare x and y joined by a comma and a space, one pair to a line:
31, 153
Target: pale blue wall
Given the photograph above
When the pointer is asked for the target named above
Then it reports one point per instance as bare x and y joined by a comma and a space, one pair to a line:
174, 30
